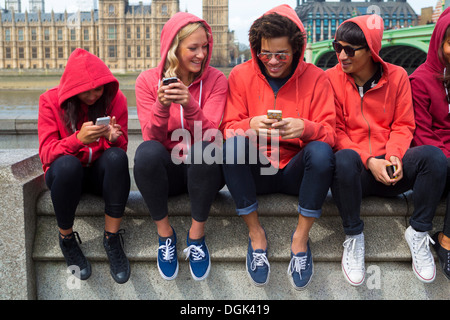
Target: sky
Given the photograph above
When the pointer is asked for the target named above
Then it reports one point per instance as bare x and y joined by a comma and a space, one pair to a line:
241, 14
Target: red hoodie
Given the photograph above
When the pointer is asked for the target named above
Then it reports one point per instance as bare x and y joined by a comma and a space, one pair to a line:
382, 121
306, 95
208, 92
84, 71
432, 110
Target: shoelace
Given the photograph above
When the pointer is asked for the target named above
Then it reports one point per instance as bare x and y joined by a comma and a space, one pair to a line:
356, 254
422, 256
74, 253
297, 264
167, 250
259, 259
115, 246
448, 261
195, 252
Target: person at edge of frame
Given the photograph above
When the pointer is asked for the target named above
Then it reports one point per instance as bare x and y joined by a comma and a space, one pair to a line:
79, 156
430, 84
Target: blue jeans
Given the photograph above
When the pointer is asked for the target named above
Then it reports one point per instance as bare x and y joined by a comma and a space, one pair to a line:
308, 175
424, 171
446, 229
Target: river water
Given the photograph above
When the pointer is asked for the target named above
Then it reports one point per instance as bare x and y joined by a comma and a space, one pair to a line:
26, 102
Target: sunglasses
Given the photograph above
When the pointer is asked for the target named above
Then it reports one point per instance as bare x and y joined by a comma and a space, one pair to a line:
267, 56
349, 51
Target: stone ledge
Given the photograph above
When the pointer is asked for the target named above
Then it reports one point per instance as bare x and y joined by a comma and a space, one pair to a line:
229, 281
227, 238
273, 204
27, 124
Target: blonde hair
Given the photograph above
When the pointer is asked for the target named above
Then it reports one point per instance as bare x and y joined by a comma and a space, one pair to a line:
172, 63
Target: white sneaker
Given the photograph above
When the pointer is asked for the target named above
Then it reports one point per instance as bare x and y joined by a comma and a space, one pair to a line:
422, 258
353, 259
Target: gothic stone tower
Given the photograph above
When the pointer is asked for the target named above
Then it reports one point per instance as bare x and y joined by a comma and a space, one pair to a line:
215, 12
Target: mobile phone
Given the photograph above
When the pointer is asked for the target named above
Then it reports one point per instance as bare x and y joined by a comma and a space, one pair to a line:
103, 121
390, 170
167, 81
274, 114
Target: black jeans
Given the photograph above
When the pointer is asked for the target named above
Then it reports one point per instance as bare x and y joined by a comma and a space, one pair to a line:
308, 175
446, 230
108, 176
424, 171
158, 177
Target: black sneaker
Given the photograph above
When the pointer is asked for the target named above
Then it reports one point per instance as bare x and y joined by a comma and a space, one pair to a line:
443, 255
118, 262
74, 256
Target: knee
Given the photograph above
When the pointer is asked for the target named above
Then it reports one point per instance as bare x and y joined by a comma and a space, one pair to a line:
320, 156
149, 155
435, 155
348, 164
434, 159
66, 170
235, 150
67, 167
204, 152
116, 157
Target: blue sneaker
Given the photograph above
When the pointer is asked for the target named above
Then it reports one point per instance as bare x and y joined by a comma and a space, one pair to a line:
258, 267
301, 269
199, 259
167, 257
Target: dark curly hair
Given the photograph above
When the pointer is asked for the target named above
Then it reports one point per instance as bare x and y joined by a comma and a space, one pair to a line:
275, 25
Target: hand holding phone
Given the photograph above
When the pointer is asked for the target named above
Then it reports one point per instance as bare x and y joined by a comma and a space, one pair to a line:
103, 121
390, 171
167, 81
275, 114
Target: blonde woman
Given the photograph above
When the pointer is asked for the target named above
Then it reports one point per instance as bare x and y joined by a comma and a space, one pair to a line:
167, 113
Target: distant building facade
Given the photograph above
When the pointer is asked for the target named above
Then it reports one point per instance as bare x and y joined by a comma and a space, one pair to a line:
321, 18
126, 37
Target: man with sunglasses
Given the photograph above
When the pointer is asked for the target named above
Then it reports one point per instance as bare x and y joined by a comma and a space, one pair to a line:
375, 125
278, 78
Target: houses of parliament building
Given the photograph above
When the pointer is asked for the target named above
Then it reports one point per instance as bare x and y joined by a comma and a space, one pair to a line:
125, 37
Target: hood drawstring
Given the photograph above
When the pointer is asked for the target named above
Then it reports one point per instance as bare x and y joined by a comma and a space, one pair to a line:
182, 113
446, 90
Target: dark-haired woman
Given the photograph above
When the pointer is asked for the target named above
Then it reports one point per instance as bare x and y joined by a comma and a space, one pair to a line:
430, 85
79, 156
303, 165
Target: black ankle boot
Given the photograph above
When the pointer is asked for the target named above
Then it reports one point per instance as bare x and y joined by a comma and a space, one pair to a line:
73, 254
118, 262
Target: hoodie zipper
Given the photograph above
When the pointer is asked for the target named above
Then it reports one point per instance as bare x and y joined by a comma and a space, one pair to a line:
90, 157
368, 124
362, 113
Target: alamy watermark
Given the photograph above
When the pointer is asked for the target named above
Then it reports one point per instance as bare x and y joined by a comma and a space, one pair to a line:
375, 21
263, 147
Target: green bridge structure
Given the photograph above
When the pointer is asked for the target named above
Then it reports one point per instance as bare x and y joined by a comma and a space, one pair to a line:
406, 47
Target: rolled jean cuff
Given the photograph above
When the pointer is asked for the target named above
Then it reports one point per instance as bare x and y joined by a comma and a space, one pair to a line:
247, 210
309, 213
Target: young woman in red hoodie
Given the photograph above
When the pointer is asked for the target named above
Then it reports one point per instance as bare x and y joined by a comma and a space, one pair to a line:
79, 156
430, 84
375, 125
174, 119
298, 161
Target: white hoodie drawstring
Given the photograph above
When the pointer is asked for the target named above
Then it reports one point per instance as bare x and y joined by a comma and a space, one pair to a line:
181, 110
